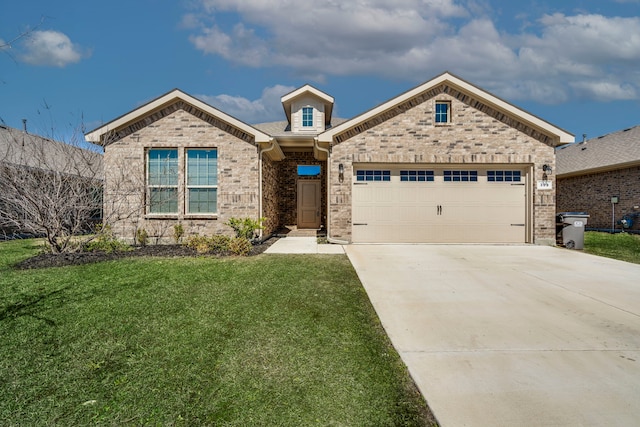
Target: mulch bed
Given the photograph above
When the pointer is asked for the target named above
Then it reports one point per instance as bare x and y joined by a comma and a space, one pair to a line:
45, 260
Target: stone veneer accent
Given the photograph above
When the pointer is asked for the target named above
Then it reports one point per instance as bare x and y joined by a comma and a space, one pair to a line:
477, 134
270, 196
592, 193
179, 126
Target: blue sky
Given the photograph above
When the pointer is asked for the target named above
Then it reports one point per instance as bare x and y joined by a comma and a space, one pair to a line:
574, 63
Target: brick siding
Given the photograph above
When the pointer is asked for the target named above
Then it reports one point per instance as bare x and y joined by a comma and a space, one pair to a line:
476, 135
270, 196
174, 127
288, 180
592, 194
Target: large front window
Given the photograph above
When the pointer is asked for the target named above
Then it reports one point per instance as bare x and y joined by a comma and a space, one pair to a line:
202, 181
162, 180
196, 182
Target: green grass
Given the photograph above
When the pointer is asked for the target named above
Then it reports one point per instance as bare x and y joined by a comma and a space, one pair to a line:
621, 246
262, 341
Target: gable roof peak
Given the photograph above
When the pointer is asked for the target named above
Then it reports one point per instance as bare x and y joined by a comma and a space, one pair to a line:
558, 136
326, 100
175, 95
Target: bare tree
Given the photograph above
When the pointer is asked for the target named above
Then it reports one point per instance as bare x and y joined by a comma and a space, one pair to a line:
7, 45
55, 189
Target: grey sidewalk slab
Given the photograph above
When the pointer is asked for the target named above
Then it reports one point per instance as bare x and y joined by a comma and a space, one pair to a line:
303, 245
511, 335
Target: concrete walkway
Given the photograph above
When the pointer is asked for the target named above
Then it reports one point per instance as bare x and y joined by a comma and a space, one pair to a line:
303, 245
511, 335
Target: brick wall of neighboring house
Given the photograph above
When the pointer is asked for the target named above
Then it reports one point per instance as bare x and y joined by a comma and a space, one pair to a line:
288, 179
592, 194
270, 189
476, 134
176, 128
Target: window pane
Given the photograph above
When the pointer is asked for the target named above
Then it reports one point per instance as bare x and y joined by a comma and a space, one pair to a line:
460, 176
307, 116
163, 167
373, 175
308, 170
163, 200
202, 167
504, 176
442, 112
203, 200
417, 176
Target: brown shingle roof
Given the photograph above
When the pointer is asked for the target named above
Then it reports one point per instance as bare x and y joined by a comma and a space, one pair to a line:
612, 151
281, 128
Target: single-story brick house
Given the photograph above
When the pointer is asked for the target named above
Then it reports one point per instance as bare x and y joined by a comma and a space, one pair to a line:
593, 172
443, 162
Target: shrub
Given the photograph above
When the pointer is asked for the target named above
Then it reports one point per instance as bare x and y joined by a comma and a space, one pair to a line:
219, 243
240, 246
245, 227
198, 243
213, 244
178, 232
142, 236
106, 241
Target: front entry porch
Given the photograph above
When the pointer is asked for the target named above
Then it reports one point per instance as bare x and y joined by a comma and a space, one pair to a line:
301, 193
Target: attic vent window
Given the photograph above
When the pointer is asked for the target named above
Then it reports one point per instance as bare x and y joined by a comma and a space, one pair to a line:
307, 117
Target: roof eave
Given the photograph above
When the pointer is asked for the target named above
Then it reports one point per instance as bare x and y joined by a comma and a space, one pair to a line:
97, 135
600, 169
557, 134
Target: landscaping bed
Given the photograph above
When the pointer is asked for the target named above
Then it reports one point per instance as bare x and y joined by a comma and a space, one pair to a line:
44, 260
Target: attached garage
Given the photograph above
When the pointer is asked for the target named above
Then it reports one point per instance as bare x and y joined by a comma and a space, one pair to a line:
445, 162
440, 204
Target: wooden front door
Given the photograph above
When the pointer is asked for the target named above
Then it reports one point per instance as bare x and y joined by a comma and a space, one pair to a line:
309, 215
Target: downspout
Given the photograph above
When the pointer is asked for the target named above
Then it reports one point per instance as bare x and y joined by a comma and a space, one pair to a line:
260, 207
329, 238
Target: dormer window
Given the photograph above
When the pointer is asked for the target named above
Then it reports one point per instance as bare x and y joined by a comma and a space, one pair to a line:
307, 117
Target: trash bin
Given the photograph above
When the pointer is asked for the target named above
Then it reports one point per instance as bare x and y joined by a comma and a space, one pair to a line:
570, 229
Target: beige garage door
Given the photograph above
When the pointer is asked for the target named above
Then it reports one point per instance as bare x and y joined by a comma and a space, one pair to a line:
439, 204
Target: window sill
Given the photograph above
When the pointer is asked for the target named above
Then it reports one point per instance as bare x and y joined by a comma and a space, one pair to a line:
161, 216
201, 216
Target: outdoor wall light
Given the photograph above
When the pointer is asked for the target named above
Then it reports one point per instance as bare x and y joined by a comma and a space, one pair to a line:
341, 172
546, 169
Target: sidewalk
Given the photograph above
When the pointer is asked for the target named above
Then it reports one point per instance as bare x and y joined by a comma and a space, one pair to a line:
303, 245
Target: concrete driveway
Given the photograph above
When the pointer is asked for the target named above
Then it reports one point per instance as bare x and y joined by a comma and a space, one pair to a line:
511, 335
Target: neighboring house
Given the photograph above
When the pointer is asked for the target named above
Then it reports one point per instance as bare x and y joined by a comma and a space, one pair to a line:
443, 162
593, 172
28, 164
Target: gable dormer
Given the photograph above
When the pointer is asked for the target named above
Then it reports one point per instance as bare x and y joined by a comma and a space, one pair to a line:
308, 110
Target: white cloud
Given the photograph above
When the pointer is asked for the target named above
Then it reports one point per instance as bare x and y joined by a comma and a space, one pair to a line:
50, 48
266, 109
550, 60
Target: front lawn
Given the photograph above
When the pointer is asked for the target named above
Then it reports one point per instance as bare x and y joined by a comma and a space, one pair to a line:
622, 246
260, 341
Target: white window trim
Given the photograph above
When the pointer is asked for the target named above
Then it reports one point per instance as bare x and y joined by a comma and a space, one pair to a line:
149, 186
189, 187
302, 121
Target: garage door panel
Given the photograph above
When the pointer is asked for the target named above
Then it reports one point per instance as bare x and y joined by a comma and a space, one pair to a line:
439, 211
